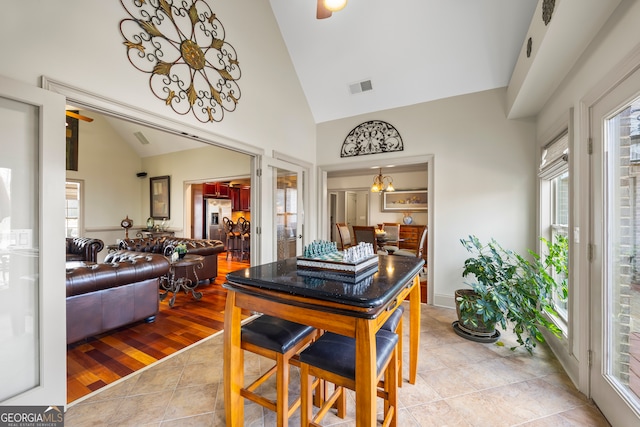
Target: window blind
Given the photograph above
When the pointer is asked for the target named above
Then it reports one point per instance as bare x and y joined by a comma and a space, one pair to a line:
555, 156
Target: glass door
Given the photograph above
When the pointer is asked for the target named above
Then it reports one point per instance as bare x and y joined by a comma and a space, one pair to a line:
615, 271
283, 183
32, 196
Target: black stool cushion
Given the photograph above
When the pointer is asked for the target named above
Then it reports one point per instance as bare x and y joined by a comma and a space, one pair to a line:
392, 322
273, 333
337, 353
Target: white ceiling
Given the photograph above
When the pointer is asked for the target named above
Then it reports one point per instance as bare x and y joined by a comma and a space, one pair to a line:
413, 51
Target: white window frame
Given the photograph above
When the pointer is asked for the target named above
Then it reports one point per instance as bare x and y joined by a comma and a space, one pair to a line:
554, 164
80, 217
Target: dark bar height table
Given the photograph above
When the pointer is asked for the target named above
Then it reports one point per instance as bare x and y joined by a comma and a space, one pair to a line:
356, 310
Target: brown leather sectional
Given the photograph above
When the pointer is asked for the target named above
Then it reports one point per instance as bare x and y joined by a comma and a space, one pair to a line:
83, 248
121, 290
209, 249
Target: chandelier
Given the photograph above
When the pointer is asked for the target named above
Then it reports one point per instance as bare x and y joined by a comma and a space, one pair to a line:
382, 183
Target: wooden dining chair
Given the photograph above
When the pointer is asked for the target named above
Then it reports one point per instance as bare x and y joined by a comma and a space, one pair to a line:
417, 252
344, 235
364, 233
392, 236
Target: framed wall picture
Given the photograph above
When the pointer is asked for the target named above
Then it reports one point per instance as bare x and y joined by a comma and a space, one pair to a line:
160, 197
404, 201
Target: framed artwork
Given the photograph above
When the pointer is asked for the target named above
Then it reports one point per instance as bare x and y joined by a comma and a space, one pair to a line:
404, 201
160, 197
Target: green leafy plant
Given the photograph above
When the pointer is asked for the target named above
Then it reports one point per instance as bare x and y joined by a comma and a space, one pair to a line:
181, 248
510, 289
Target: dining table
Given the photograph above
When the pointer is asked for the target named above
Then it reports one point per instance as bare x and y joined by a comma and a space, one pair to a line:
352, 308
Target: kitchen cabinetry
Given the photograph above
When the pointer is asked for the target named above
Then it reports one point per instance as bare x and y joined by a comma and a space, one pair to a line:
241, 198
219, 190
245, 199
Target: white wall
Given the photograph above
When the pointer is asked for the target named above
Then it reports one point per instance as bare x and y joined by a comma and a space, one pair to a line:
484, 173
206, 163
107, 165
79, 43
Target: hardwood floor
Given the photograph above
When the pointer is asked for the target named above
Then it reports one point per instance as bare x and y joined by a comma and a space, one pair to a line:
101, 360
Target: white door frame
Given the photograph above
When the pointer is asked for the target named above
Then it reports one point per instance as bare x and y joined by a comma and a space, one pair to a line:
51, 277
323, 210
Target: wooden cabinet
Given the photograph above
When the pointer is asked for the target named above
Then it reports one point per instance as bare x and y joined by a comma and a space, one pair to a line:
410, 238
241, 198
219, 190
245, 199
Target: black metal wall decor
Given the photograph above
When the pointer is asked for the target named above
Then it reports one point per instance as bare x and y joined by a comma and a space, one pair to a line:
181, 43
371, 137
547, 10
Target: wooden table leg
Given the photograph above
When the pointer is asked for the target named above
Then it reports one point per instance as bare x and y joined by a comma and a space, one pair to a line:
233, 363
414, 332
365, 374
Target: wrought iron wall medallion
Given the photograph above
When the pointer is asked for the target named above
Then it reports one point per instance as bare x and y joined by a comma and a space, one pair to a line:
371, 137
182, 45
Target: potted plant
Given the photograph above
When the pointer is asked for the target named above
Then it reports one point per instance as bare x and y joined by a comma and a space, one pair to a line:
509, 289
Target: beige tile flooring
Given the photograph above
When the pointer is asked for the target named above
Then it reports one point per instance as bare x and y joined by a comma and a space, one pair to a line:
460, 383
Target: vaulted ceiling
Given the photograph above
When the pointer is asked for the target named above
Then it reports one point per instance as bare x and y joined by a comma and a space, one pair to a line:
412, 51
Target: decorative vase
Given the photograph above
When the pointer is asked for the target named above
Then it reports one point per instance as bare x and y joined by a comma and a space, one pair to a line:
150, 223
408, 219
181, 255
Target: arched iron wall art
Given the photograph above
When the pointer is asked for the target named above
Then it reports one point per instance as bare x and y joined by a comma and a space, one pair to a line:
182, 45
371, 137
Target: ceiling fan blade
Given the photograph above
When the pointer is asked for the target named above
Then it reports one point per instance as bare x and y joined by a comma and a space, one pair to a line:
322, 12
79, 116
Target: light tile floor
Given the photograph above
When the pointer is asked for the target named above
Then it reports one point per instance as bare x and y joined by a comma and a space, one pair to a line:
460, 383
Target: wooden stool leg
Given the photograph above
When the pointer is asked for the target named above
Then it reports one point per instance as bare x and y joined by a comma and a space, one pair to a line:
306, 404
282, 391
399, 349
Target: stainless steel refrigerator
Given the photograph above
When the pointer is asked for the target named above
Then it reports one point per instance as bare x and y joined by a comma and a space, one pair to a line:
216, 209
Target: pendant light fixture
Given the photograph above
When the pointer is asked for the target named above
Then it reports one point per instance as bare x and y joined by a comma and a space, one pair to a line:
335, 5
326, 7
382, 183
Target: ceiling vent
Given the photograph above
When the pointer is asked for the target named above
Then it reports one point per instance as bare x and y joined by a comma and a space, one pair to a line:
362, 86
143, 140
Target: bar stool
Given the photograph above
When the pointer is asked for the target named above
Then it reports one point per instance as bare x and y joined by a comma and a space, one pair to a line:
281, 341
332, 358
394, 324
244, 234
232, 237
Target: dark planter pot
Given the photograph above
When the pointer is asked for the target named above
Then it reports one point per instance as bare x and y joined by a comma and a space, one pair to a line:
480, 333
181, 255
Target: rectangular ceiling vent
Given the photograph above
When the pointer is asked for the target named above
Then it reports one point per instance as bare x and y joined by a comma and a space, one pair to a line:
363, 86
143, 140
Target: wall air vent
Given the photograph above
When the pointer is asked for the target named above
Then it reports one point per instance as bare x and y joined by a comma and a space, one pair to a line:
362, 86
143, 140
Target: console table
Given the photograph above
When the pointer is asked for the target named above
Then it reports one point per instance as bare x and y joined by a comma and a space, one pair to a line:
353, 309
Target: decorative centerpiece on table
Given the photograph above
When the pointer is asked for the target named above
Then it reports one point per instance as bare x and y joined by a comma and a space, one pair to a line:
181, 250
323, 259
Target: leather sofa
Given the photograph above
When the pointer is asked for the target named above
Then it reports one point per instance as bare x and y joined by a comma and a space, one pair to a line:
121, 290
209, 249
83, 249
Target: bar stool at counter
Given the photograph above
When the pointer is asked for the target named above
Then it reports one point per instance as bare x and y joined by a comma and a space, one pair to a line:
281, 341
332, 358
